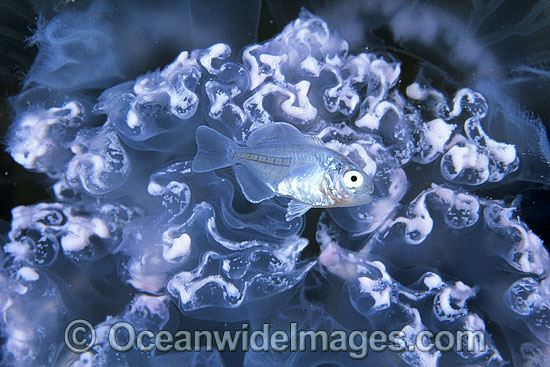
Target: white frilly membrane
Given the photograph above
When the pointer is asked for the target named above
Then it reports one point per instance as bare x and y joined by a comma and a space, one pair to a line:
135, 235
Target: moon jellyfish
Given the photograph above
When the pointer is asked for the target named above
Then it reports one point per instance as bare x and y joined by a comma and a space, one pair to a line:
135, 257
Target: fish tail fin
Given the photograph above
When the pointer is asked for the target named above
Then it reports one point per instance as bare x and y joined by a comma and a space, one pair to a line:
214, 150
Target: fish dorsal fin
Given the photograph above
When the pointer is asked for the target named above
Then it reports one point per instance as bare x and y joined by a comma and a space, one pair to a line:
280, 133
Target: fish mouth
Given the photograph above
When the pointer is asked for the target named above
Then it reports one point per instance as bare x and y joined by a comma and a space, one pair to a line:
361, 198
348, 198
352, 200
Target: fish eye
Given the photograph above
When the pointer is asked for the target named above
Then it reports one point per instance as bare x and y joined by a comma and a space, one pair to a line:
353, 179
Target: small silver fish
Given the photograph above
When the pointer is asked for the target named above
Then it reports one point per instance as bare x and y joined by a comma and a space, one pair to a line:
280, 160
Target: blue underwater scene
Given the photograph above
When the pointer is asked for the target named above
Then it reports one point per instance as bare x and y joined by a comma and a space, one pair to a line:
275, 183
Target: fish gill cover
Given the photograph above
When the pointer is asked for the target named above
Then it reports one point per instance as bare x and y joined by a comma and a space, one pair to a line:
428, 104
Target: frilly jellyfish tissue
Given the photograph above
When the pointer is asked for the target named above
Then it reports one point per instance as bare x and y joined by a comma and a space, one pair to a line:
441, 106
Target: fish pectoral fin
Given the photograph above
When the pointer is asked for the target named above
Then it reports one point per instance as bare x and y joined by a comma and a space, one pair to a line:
295, 209
254, 190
